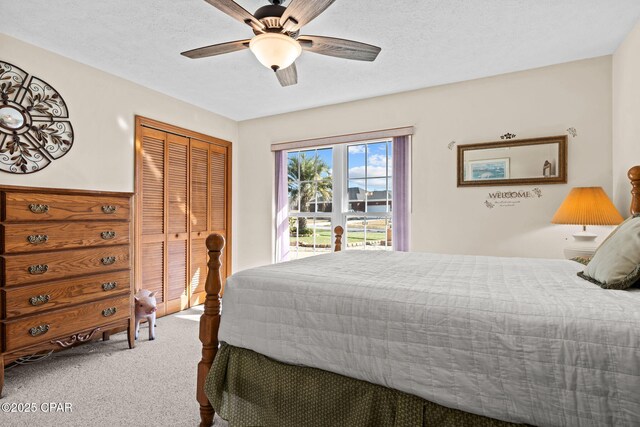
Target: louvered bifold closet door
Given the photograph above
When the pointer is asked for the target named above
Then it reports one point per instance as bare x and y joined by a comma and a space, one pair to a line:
199, 218
177, 222
152, 249
219, 196
183, 195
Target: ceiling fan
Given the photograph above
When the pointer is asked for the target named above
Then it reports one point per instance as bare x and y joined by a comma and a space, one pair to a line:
277, 42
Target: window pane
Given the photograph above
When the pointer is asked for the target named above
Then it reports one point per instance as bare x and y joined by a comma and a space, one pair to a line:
377, 195
376, 233
356, 161
377, 160
307, 197
390, 158
294, 193
323, 235
305, 237
314, 236
325, 162
307, 165
293, 167
389, 234
324, 195
293, 238
390, 191
355, 232
357, 195
369, 233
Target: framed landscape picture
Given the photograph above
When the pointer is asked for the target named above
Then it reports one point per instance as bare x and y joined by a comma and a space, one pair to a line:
489, 169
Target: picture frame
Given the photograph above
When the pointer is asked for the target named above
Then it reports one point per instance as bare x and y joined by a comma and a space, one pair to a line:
488, 169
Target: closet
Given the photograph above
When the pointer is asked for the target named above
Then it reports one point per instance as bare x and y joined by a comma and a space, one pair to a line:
183, 188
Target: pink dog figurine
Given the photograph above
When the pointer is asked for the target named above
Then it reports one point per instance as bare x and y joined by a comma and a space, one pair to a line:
145, 304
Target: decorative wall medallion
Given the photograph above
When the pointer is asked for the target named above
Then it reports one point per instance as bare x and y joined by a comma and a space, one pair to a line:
573, 132
508, 136
451, 145
34, 122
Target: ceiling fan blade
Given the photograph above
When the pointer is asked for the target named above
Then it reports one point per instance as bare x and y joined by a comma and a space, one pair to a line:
236, 11
341, 48
288, 76
301, 12
216, 49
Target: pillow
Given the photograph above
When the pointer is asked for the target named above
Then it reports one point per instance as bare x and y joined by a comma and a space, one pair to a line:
581, 260
616, 263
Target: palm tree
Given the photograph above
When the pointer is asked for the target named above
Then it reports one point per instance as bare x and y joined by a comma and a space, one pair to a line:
310, 169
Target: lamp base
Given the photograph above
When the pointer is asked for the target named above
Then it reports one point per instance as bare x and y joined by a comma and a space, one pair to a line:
584, 245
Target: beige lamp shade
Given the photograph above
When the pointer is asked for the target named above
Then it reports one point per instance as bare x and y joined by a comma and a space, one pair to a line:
587, 206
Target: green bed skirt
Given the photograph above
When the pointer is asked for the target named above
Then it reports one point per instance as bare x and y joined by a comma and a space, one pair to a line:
249, 389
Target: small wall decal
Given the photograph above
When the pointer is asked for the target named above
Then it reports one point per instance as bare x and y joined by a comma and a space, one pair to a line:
573, 132
508, 199
508, 136
451, 145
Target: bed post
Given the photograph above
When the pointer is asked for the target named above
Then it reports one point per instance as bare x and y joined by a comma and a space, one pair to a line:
338, 230
209, 324
634, 176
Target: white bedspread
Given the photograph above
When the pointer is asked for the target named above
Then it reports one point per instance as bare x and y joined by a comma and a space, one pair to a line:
522, 340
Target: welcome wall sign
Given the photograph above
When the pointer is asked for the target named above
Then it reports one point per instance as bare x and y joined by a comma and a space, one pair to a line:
34, 122
509, 199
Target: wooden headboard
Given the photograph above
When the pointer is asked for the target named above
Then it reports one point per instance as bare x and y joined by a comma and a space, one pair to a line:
634, 176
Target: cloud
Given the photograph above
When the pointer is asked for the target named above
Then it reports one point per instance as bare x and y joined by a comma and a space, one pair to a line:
377, 160
356, 149
372, 171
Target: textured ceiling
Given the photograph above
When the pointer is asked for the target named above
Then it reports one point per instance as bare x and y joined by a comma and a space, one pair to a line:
424, 43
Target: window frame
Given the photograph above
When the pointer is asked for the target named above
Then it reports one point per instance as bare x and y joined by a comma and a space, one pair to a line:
340, 214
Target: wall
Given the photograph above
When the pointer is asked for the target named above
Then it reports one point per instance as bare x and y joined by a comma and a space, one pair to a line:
540, 102
102, 109
626, 116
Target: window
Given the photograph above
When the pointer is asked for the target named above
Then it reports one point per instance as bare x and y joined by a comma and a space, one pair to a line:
348, 185
369, 190
310, 182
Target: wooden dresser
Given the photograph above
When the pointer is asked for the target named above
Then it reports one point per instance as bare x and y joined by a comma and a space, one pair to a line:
65, 269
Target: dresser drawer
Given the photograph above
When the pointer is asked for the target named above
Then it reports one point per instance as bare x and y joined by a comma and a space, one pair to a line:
60, 323
47, 266
44, 236
38, 298
39, 207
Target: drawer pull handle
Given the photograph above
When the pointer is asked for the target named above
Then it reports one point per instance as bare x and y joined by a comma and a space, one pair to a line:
109, 286
36, 239
39, 300
38, 269
109, 311
108, 235
108, 260
38, 330
109, 209
38, 209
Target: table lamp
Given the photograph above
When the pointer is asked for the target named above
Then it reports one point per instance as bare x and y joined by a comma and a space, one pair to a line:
586, 206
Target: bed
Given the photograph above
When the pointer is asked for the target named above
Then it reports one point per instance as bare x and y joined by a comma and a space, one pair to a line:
496, 341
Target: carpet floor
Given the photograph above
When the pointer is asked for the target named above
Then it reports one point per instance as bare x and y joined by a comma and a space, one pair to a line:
107, 384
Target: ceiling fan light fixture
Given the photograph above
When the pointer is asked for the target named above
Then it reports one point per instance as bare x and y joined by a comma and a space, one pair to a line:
275, 50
